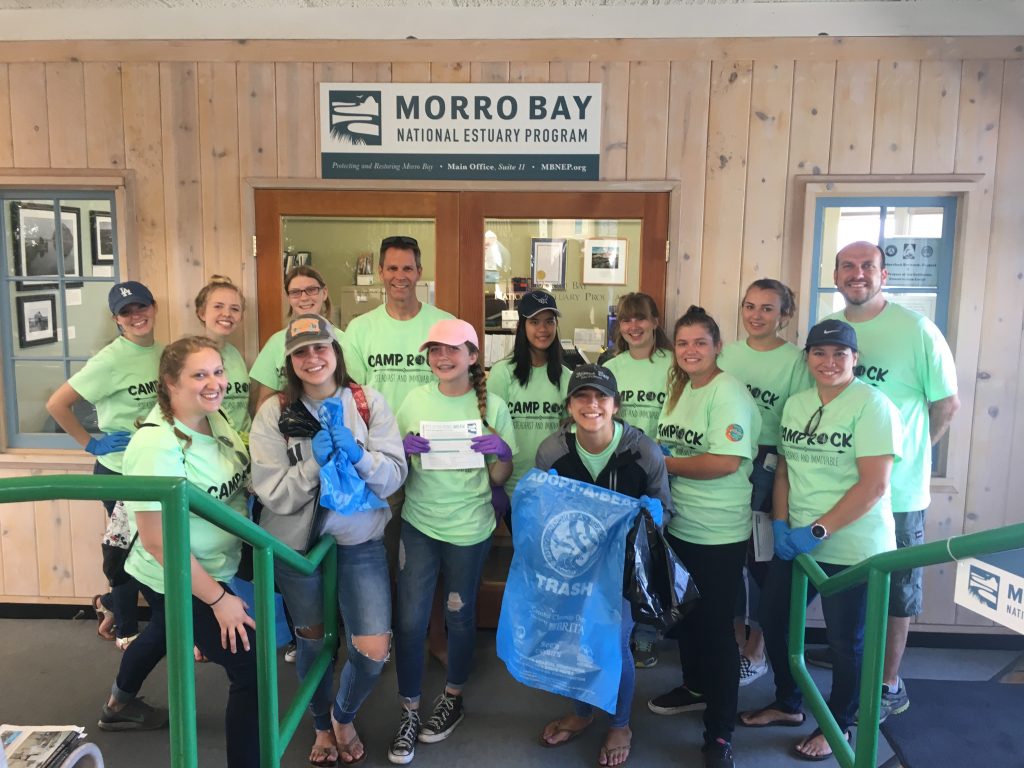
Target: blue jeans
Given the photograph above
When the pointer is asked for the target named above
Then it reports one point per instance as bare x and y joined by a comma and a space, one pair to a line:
122, 600
364, 600
627, 682
844, 629
420, 560
241, 722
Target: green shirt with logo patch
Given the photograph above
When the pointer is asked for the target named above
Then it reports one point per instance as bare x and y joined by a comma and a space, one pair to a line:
771, 378
218, 464
120, 381
384, 353
268, 368
643, 388
451, 505
822, 467
719, 418
536, 410
236, 399
905, 356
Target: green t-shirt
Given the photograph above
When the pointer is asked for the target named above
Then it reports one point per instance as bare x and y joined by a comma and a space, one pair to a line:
236, 399
771, 378
596, 462
643, 387
821, 468
218, 464
906, 357
268, 368
120, 380
452, 505
536, 410
719, 418
384, 353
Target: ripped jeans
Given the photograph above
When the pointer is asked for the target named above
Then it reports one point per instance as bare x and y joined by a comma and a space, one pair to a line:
419, 561
364, 601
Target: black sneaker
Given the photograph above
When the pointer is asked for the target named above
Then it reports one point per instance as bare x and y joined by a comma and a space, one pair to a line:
136, 715
676, 701
718, 754
448, 713
403, 746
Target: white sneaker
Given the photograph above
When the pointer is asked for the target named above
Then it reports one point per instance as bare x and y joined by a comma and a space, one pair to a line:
122, 643
749, 671
290, 652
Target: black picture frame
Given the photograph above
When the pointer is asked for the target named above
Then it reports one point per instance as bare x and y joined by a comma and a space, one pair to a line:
37, 319
101, 225
33, 232
547, 262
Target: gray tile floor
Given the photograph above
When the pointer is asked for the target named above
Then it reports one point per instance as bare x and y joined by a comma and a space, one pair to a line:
59, 672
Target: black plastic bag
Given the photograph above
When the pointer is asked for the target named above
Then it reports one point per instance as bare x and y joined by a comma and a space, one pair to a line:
655, 581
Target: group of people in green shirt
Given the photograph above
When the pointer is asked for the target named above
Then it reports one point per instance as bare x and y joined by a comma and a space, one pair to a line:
755, 425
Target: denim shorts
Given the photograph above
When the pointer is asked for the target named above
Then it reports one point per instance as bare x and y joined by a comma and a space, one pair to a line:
906, 593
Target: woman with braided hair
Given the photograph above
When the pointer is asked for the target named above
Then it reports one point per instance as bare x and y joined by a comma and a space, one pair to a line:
185, 435
447, 522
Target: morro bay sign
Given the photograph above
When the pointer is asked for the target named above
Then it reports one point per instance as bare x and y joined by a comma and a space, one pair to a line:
528, 131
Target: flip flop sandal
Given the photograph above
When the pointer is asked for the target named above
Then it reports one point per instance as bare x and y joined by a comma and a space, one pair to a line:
346, 749
778, 721
813, 758
104, 617
323, 756
574, 733
607, 753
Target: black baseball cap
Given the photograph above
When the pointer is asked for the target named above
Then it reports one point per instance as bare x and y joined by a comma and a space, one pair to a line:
128, 292
594, 376
832, 332
536, 302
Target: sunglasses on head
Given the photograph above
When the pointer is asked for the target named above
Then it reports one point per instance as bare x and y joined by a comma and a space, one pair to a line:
399, 241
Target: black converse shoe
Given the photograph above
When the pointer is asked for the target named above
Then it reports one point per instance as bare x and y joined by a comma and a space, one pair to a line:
448, 713
403, 746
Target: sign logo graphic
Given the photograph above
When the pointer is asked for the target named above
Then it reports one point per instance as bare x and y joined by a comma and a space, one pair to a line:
984, 587
571, 542
355, 117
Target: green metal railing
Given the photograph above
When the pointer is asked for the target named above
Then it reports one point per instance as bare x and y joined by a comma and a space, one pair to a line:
176, 497
875, 571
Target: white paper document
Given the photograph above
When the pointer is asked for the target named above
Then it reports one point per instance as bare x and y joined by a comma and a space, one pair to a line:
764, 539
450, 446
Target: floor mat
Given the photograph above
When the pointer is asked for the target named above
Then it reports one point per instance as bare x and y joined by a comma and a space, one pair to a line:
955, 724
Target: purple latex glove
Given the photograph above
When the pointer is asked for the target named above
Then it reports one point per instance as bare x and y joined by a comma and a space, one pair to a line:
783, 546
500, 501
414, 444
802, 540
492, 444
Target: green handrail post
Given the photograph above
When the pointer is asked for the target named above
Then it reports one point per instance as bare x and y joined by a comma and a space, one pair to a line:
876, 622
266, 656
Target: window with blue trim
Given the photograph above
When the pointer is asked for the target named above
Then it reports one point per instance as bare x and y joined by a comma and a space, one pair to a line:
60, 258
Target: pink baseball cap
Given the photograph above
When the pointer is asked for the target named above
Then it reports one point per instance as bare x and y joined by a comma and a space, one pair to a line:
451, 332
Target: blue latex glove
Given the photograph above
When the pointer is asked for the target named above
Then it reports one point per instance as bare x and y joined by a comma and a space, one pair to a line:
553, 472
664, 450
783, 546
500, 501
112, 443
802, 540
323, 447
414, 444
655, 507
492, 444
345, 441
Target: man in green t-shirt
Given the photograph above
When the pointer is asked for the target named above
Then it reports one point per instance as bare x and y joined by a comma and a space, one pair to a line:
904, 356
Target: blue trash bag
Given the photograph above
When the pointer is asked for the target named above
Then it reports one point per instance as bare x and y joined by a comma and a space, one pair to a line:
560, 621
245, 590
342, 490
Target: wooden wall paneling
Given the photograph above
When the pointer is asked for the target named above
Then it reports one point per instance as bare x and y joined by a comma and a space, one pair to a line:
410, 71
332, 72
257, 133
104, 115
183, 203
529, 72
809, 144
18, 545
53, 547
771, 103
853, 116
147, 254
450, 71
686, 160
30, 129
219, 169
6, 142
892, 149
298, 110
489, 71
614, 79
371, 72
570, 71
65, 114
725, 190
937, 106
87, 520
647, 122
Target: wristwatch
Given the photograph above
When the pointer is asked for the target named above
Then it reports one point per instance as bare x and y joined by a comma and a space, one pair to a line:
819, 531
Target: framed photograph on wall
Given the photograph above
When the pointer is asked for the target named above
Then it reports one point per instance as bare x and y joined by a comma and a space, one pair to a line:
303, 259
604, 261
102, 226
35, 243
37, 320
547, 260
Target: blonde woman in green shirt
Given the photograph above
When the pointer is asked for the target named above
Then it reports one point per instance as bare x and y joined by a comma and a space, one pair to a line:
219, 307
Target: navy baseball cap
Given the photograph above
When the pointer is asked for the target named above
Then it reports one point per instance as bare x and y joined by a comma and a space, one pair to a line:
129, 292
832, 332
594, 376
535, 302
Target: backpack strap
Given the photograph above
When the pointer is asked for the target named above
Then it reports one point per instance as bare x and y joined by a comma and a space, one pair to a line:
360, 399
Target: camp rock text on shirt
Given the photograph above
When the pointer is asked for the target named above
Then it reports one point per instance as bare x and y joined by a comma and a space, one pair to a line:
226, 490
835, 439
871, 373
144, 388
672, 433
642, 396
763, 396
